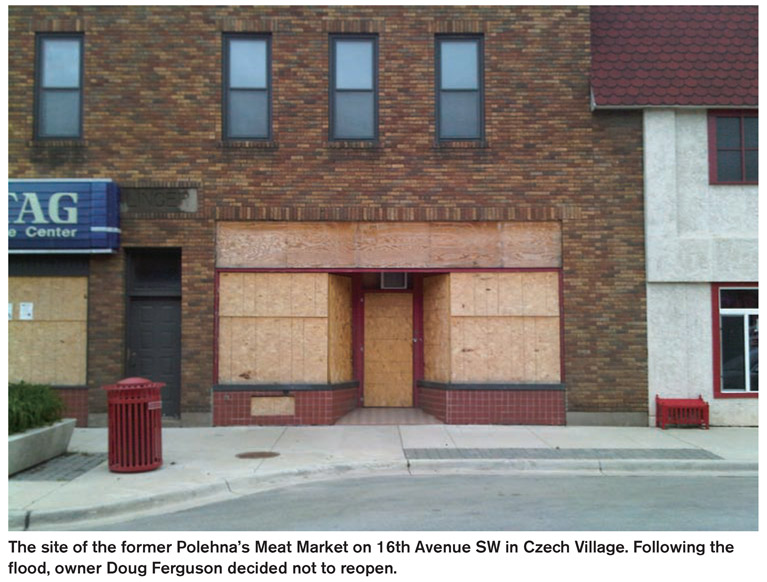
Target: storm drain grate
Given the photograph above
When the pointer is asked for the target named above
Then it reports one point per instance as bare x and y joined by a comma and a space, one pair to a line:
542, 453
63, 468
257, 455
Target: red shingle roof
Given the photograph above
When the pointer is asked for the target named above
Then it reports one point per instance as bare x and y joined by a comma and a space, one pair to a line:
675, 55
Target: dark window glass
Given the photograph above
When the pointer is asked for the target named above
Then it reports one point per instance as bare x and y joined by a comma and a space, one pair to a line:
155, 270
736, 147
739, 299
733, 353
728, 132
247, 87
752, 166
729, 166
751, 132
59, 86
459, 88
354, 91
753, 351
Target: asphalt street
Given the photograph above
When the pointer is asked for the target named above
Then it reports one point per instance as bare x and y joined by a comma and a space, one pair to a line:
481, 503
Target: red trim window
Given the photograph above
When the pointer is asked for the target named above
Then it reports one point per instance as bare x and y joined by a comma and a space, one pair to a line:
733, 147
735, 316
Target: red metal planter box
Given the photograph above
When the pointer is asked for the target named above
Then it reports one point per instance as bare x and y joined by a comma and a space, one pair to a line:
681, 411
135, 425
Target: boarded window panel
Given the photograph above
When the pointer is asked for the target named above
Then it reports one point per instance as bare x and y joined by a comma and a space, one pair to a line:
339, 329
52, 347
436, 313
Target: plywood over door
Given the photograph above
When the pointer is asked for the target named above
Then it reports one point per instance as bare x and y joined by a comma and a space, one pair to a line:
388, 351
290, 245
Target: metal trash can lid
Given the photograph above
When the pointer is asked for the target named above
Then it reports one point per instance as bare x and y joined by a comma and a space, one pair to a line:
133, 383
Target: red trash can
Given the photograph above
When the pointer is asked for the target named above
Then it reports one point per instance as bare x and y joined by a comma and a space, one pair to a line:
135, 425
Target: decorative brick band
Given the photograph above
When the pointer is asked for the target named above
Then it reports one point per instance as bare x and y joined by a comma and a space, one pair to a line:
312, 406
75, 400
494, 406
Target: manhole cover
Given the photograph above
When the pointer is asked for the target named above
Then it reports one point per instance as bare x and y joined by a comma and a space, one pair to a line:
257, 455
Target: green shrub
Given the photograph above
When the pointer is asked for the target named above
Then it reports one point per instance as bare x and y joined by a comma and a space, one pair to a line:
32, 406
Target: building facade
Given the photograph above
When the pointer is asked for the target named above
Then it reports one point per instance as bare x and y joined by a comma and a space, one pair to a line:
328, 208
700, 110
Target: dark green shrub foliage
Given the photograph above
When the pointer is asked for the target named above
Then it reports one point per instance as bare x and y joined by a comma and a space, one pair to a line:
32, 406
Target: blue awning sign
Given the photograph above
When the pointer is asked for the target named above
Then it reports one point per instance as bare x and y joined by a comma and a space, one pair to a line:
63, 216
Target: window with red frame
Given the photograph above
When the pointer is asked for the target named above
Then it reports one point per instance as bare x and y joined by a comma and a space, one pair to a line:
733, 147
736, 336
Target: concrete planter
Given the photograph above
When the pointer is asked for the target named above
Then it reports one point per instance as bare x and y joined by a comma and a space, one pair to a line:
36, 445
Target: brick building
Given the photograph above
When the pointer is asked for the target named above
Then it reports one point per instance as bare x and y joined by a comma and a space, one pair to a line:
327, 208
693, 73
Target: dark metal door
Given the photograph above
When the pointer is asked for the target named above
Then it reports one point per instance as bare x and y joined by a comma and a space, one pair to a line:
154, 346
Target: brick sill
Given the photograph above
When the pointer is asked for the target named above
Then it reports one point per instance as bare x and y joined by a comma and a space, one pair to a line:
58, 143
249, 144
461, 145
353, 145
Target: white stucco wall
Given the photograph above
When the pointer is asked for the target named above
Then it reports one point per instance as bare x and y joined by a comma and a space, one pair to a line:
680, 352
696, 234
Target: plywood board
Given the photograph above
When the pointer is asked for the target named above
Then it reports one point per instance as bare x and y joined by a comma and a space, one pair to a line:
436, 328
273, 294
272, 350
52, 347
321, 245
388, 244
505, 294
467, 245
272, 406
339, 329
505, 349
54, 298
47, 352
388, 349
531, 244
393, 244
247, 244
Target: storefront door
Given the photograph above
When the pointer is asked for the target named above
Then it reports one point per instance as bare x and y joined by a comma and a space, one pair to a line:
388, 349
154, 322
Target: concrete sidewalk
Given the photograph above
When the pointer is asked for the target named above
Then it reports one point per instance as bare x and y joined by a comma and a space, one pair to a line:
200, 465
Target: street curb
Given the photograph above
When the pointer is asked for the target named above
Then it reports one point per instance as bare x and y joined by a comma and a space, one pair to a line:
60, 518
19, 520
581, 466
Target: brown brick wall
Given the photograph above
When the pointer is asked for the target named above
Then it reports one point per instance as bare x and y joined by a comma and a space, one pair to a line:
153, 114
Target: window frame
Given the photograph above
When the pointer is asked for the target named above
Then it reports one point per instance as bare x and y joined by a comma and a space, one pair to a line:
479, 39
713, 149
226, 89
716, 314
40, 39
333, 39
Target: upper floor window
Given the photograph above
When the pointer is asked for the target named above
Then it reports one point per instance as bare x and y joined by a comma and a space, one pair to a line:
354, 87
247, 87
59, 83
459, 82
733, 147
